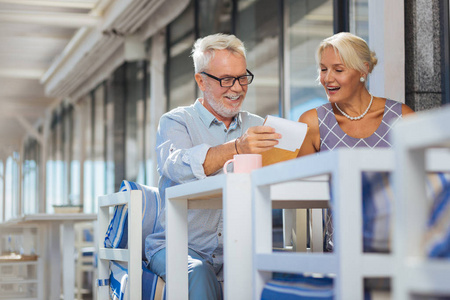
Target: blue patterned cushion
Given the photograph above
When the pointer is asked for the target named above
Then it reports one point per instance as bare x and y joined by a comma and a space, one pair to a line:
301, 287
119, 282
437, 238
117, 233
297, 286
377, 205
377, 202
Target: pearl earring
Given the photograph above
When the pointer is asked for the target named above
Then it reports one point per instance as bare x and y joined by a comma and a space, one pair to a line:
362, 79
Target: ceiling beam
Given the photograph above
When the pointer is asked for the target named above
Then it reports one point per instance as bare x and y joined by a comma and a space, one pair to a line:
70, 20
69, 4
21, 73
10, 110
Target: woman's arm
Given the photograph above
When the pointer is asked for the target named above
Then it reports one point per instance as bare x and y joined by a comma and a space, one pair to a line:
311, 144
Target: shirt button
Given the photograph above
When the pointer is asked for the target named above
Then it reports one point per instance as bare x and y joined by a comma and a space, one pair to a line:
214, 256
219, 234
224, 130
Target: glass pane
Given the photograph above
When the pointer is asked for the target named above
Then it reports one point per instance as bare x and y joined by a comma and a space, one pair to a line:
214, 16
49, 174
61, 189
88, 179
117, 98
359, 18
109, 136
76, 155
67, 119
2, 169
135, 113
149, 152
310, 21
9, 190
56, 179
98, 143
30, 174
181, 83
258, 27
12, 186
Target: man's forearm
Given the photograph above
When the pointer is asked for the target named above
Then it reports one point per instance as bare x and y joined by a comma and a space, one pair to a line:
217, 157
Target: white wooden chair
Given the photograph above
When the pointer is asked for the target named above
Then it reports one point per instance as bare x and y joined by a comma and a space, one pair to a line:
348, 263
413, 137
132, 255
84, 266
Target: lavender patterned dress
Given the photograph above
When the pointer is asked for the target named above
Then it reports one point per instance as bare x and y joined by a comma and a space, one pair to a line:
332, 137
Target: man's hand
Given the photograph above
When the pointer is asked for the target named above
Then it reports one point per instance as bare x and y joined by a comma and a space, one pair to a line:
257, 139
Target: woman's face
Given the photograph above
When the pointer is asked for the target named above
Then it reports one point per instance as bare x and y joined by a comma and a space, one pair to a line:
341, 83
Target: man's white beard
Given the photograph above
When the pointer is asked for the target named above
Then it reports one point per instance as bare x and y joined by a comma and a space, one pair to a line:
220, 108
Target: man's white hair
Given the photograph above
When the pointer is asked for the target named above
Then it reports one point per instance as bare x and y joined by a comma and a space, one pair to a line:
204, 49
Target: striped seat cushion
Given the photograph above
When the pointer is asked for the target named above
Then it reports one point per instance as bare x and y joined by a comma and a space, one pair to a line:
117, 232
378, 198
301, 287
437, 237
297, 286
153, 287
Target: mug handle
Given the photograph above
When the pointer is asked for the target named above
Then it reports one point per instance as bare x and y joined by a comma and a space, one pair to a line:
226, 164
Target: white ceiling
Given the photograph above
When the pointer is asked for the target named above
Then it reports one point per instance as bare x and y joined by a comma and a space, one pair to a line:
33, 34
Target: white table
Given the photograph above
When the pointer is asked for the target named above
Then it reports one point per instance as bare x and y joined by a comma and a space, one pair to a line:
59, 230
25, 274
230, 192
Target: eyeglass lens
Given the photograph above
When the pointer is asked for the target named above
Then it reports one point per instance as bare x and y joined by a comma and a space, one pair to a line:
243, 80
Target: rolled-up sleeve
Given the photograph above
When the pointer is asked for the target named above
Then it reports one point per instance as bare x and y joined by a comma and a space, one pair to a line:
178, 159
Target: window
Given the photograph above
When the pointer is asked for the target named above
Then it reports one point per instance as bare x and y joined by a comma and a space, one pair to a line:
2, 185
30, 173
11, 186
359, 18
135, 118
76, 156
214, 16
309, 22
258, 27
149, 128
88, 162
98, 146
109, 138
56, 164
180, 71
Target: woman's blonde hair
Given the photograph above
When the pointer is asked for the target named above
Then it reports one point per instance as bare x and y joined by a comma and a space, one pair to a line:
353, 51
204, 48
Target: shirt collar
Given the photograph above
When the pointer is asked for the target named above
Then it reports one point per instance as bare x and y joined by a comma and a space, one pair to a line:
208, 118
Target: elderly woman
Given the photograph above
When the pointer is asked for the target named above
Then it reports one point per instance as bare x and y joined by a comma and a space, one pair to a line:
352, 118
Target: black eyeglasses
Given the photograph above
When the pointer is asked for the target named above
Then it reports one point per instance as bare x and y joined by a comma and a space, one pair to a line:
229, 81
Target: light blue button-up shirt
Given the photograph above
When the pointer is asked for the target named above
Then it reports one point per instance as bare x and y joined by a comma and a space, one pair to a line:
184, 137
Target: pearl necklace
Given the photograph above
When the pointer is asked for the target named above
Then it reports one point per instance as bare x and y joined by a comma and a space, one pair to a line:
358, 117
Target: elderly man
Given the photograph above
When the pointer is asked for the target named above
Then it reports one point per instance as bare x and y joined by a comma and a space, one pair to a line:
195, 141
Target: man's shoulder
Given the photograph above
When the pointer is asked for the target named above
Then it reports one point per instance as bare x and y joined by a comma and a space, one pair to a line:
179, 112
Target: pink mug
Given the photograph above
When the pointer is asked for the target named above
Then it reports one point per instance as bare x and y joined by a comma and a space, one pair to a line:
244, 163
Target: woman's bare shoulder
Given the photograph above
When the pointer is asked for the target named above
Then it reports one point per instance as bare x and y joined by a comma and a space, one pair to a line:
406, 110
309, 117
